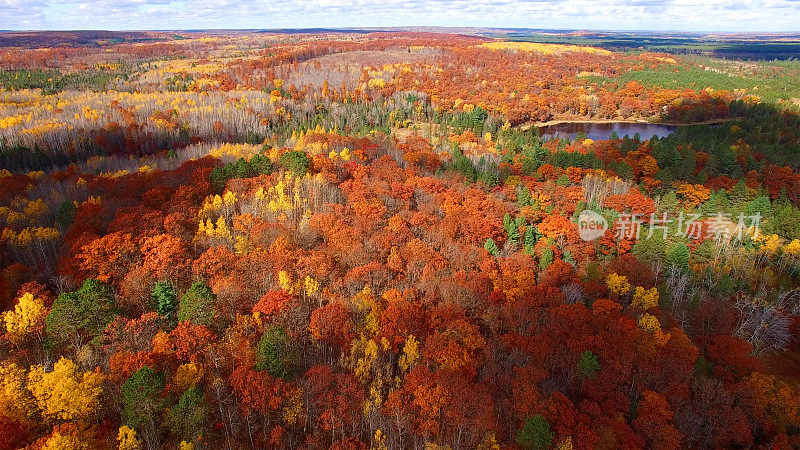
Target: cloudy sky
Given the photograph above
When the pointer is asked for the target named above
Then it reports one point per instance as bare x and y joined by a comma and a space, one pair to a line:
686, 15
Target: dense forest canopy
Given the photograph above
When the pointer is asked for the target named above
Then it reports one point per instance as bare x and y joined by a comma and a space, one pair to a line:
361, 240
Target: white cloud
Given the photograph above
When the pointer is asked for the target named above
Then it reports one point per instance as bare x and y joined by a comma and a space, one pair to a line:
695, 15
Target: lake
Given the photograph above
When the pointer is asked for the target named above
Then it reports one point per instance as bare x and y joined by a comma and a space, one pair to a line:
601, 131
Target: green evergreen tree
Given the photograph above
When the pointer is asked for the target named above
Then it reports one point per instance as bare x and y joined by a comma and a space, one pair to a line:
739, 195
535, 434
79, 316
783, 221
523, 197
531, 238
547, 258
568, 258
276, 354
652, 249
164, 298
588, 365
197, 304
296, 161
759, 205
188, 418
678, 256
507, 221
510, 226
66, 214
520, 222
532, 159
491, 247
464, 165
669, 203
141, 402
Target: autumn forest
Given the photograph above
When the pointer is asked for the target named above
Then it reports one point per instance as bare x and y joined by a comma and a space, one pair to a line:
370, 240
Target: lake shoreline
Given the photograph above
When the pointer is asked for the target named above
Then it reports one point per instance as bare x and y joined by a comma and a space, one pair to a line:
553, 122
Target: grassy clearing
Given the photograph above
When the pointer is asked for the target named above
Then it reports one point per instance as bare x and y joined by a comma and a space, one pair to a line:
773, 82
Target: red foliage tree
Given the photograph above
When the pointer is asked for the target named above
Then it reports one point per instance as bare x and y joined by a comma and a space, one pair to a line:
331, 324
191, 341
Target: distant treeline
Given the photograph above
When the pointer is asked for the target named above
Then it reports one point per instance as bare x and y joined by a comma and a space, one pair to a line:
679, 45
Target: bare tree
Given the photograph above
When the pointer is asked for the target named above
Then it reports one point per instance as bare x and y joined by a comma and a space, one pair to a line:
764, 326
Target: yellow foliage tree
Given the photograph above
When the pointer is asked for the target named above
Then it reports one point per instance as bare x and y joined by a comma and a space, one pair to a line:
566, 444
59, 441
489, 442
293, 407
368, 307
770, 244
618, 284
311, 286
16, 401
229, 198
779, 401
651, 324
363, 355
410, 354
380, 441
792, 248
187, 376
28, 316
693, 194
285, 282
645, 298
65, 393
127, 439
222, 228
35, 209
162, 344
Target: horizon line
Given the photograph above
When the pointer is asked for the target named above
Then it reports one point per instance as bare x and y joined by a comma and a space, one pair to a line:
397, 27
